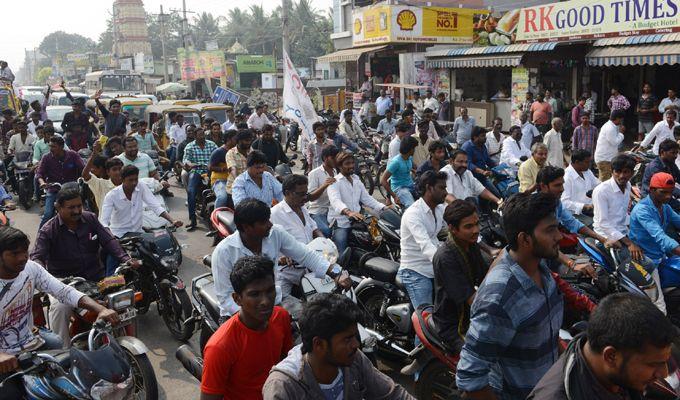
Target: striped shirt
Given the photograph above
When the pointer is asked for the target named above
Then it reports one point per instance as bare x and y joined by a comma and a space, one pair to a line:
198, 155
514, 328
585, 139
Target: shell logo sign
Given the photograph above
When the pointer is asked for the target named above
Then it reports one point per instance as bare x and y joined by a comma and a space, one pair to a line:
394, 23
406, 20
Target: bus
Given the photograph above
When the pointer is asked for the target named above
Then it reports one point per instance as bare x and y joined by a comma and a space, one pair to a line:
114, 83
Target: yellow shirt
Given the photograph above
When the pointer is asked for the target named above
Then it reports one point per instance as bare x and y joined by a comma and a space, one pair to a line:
221, 154
527, 173
99, 188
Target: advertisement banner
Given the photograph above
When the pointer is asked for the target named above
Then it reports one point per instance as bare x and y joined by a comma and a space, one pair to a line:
200, 64
584, 19
255, 64
296, 102
519, 89
406, 24
495, 29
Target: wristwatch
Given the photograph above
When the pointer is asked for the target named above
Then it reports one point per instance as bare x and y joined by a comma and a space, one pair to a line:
335, 272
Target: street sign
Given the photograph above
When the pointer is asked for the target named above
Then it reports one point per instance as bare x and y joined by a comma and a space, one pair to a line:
222, 95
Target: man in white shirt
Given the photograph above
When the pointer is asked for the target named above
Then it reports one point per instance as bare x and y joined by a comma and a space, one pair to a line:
387, 125
672, 102
430, 102
21, 141
494, 140
229, 124
402, 130
608, 144
578, 181
34, 122
177, 134
319, 180
258, 119
382, 104
349, 128
553, 141
662, 130
610, 201
462, 127
420, 225
529, 131
257, 235
462, 184
123, 206
418, 104
347, 195
514, 152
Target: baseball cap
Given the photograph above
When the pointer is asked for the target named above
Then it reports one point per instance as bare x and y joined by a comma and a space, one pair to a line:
662, 180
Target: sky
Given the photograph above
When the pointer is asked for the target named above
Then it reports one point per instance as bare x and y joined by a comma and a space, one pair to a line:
24, 28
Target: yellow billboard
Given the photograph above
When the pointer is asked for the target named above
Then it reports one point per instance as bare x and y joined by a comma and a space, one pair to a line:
407, 24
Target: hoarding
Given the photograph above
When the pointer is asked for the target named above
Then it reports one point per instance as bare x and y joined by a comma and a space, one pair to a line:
200, 64
584, 19
255, 64
405, 24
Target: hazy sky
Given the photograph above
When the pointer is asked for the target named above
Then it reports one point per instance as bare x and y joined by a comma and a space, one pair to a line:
26, 23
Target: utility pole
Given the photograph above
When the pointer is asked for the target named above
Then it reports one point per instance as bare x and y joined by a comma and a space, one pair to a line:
161, 18
185, 28
284, 19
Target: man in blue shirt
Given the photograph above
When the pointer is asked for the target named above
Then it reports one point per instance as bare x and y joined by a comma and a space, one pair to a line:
397, 179
649, 220
517, 312
665, 162
256, 182
479, 162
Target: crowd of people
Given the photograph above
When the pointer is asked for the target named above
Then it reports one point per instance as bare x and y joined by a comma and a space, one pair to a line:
500, 309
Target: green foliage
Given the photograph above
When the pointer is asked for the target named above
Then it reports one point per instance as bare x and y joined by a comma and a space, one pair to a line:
43, 74
65, 43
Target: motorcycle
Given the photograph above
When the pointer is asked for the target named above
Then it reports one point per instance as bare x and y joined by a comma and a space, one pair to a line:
669, 274
151, 220
642, 159
4, 219
505, 180
222, 221
376, 235
21, 178
158, 281
112, 293
95, 367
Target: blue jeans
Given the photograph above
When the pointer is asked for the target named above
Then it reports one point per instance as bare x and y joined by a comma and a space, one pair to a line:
419, 289
192, 187
488, 185
340, 238
111, 264
405, 195
48, 211
221, 196
171, 152
322, 223
4, 195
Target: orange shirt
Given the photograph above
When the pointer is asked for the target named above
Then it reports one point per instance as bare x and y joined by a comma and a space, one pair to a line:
237, 359
541, 112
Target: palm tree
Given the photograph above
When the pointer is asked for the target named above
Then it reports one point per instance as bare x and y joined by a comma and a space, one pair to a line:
205, 28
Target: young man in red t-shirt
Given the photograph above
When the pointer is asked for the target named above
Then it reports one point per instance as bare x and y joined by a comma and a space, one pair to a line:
240, 354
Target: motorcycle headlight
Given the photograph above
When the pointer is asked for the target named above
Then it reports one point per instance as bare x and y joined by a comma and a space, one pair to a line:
121, 300
104, 390
169, 262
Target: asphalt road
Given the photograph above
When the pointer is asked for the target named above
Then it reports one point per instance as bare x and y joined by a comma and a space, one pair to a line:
173, 381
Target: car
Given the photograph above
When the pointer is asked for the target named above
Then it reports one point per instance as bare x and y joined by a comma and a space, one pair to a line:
60, 99
56, 115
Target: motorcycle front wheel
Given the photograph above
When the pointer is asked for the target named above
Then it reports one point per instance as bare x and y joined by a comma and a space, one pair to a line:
177, 310
437, 381
144, 377
25, 194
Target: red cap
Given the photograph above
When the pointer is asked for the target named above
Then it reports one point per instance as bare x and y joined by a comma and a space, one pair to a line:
662, 180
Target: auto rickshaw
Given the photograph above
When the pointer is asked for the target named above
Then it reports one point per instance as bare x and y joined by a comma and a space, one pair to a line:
134, 106
8, 98
179, 102
157, 117
216, 111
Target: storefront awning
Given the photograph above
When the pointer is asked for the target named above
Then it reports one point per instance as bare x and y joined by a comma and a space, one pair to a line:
614, 56
490, 56
505, 60
347, 54
634, 40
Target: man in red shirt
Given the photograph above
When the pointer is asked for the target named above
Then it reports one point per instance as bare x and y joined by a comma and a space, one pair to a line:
541, 114
240, 354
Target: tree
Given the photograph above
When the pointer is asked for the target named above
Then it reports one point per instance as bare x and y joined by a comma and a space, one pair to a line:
42, 75
65, 43
105, 41
205, 28
173, 41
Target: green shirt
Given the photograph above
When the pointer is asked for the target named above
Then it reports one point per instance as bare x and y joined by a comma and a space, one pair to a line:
40, 148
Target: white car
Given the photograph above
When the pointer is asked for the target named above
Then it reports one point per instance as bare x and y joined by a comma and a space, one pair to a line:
56, 115
60, 99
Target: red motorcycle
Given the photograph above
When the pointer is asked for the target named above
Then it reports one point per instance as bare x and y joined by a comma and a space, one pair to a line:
222, 221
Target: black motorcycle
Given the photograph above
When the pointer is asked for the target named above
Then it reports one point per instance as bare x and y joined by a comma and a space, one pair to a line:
378, 236
206, 308
21, 178
157, 279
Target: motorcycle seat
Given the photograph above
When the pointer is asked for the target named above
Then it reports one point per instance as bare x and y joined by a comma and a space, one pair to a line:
381, 269
209, 299
226, 218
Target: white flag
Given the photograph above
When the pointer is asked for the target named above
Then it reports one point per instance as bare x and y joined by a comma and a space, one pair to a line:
296, 102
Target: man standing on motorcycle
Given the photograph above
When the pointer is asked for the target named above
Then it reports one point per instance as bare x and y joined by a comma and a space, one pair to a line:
257, 235
517, 313
21, 277
329, 364
241, 352
58, 166
320, 179
625, 349
68, 246
196, 160
346, 196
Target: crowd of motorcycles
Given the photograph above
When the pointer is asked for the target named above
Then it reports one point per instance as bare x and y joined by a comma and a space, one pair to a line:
111, 361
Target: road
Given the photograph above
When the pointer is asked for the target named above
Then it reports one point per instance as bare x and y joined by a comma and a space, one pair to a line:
173, 381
